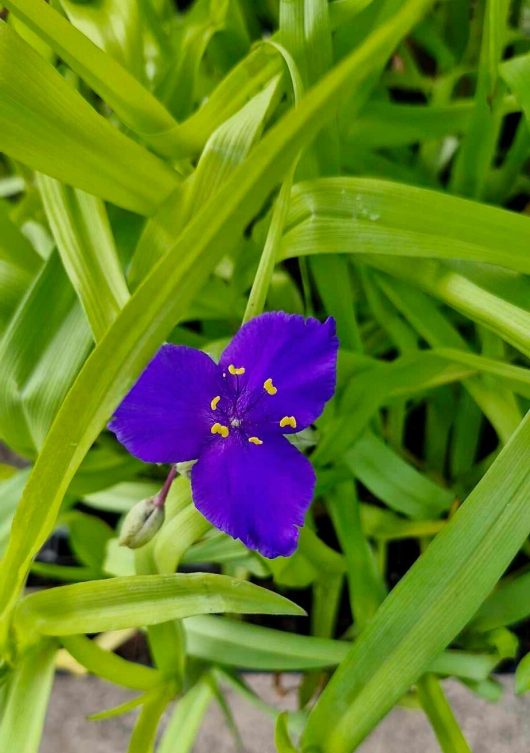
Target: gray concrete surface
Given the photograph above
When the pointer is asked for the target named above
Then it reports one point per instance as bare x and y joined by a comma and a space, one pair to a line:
490, 728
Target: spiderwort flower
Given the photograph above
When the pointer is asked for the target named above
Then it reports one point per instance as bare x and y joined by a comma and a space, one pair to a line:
273, 379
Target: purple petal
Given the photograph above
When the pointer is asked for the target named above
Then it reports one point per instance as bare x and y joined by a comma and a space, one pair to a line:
298, 355
166, 417
256, 493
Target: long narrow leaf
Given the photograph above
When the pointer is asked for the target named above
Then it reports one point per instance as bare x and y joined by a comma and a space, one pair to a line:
430, 605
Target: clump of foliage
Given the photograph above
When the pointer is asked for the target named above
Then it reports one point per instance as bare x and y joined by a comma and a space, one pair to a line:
170, 173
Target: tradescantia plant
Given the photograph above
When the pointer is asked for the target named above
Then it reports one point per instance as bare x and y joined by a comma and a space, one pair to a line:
193, 201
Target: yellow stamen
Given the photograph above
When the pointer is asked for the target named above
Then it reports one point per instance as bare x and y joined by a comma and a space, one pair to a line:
255, 440
214, 402
236, 371
288, 421
220, 429
269, 388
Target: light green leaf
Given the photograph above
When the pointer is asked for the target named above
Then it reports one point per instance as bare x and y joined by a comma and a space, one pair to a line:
141, 600
226, 148
183, 726
27, 699
40, 362
84, 239
109, 665
134, 104
47, 125
368, 216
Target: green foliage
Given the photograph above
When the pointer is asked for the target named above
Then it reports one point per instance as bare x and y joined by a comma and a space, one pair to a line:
167, 175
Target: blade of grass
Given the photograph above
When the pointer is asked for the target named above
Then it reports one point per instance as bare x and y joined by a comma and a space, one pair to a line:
28, 692
133, 104
440, 715
368, 216
81, 229
50, 127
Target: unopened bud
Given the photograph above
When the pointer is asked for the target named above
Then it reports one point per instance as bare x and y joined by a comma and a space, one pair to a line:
141, 523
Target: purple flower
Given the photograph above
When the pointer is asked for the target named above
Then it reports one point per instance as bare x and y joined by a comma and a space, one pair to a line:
273, 379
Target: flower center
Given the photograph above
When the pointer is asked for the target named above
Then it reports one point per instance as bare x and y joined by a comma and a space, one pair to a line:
233, 405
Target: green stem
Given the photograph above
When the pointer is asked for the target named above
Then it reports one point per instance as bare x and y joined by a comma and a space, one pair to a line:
144, 733
262, 280
440, 715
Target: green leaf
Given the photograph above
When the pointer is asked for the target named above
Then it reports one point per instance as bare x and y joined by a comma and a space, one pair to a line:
134, 104
377, 386
84, 239
430, 605
29, 688
122, 496
47, 125
226, 148
368, 216
522, 675
507, 605
242, 645
19, 264
10, 491
395, 481
509, 321
141, 600
144, 732
115, 26
478, 147
40, 362
110, 666
176, 536
281, 734
426, 317
366, 586
515, 72
410, 123
89, 537
184, 723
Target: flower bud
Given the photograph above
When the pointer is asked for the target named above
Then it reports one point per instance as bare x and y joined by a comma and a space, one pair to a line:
141, 523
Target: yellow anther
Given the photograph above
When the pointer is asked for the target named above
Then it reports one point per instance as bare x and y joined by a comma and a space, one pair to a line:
236, 371
220, 429
255, 440
288, 421
269, 388
214, 402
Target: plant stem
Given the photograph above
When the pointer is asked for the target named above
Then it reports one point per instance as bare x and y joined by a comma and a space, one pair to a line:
160, 499
440, 715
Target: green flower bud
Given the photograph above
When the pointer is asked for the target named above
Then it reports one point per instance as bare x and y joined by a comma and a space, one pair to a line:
141, 523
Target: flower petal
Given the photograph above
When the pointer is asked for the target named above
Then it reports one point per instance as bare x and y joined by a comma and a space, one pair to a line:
165, 418
290, 368
256, 493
